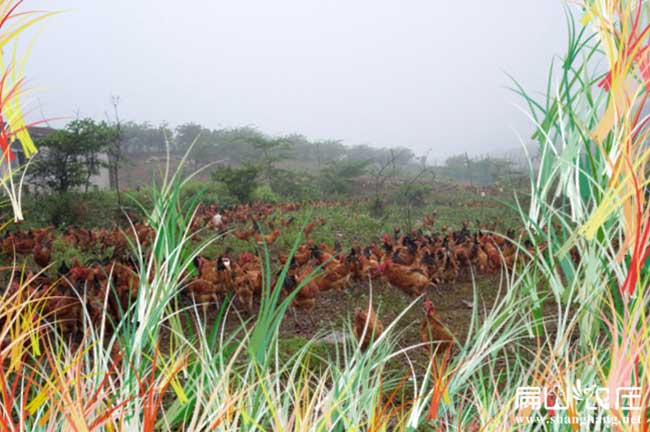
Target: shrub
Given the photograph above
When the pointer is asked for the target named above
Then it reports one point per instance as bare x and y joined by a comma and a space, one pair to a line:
64, 253
294, 186
337, 177
240, 181
265, 194
84, 209
414, 194
210, 193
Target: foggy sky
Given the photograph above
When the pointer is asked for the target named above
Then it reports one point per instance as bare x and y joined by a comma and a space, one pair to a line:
427, 74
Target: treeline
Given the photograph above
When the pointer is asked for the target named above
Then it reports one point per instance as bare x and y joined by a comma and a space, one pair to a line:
239, 145
479, 171
72, 155
255, 167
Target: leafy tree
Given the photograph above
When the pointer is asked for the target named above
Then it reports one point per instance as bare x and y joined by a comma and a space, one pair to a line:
144, 137
337, 177
319, 152
71, 156
237, 145
482, 171
295, 186
329, 151
186, 134
204, 149
93, 139
241, 181
273, 150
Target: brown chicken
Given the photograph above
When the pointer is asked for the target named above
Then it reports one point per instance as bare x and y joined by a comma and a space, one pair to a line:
302, 255
449, 268
125, 282
202, 292
207, 270
204, 288
369, 268
353, 259
306, 297
403, 256
268, 239
336, 273
244, 291
288, 221
225, 275
18, 242
42, 254
494, 257
244, 235
411, 280
367, 326
481, 257
433, 332
248, 279
64, 309
309, 228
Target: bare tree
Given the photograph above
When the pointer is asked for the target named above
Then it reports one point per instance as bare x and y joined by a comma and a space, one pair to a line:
384, 171
408, 183
115, 156
469, 169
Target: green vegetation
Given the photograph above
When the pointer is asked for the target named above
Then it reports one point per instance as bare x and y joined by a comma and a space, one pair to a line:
338, 177
240, 181
71, 156
239, 145
570, 312
83, 209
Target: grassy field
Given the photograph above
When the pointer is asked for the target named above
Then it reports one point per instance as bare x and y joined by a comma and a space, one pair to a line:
346, 223
565, 318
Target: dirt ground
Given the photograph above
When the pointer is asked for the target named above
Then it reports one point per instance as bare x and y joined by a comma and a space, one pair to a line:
329, 321
453, 303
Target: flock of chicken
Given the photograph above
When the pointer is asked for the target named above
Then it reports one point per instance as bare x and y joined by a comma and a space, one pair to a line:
409, 261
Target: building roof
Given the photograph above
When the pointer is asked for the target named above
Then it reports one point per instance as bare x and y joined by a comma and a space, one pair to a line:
40, 131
